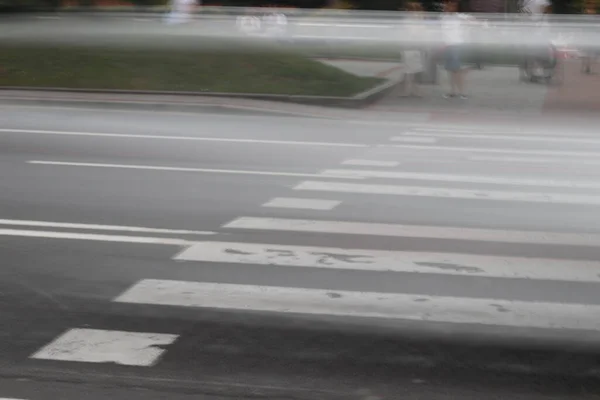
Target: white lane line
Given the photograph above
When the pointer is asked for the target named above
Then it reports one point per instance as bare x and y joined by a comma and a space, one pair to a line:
184, 169
414, 139
371, 163
512, 138
305, 204
399, 306
172, 137
414, 231
538, 160
467, 194
490, 150
333, 25
101, 346
392, 261
469, 130
405, 118
475, 130
496, 180
434, 129
66, 225
93, 237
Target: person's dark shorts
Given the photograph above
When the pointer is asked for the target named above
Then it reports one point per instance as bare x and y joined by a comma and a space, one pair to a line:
453, 58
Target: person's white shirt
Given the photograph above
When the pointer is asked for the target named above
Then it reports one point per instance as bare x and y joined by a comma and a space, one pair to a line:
536, 9
453, 30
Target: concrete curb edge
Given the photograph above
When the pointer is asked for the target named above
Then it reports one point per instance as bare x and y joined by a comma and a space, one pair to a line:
359, 100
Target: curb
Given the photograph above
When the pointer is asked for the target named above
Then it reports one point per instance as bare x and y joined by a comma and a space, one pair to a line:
357, 101
150, 106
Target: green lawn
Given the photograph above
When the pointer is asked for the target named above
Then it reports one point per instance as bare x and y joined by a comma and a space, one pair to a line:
208, 70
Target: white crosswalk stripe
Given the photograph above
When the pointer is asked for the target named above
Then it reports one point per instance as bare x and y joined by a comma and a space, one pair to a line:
450, 193
414, 231
371, 163
307, 204
396, 261
473, 149
496, 180
585, 162
100, 346
354, 260
365, 304
429, 137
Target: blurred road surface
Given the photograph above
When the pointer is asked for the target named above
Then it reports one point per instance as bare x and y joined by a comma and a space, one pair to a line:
172, 250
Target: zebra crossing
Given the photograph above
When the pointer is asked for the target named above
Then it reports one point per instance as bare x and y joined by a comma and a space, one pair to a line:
437, 305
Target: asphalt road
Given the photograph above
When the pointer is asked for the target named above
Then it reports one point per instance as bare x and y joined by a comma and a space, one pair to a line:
101, 211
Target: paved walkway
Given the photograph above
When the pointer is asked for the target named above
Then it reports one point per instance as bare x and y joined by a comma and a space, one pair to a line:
496, 89
580, 92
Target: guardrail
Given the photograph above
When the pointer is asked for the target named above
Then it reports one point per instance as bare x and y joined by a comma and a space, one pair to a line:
396, 27
320, 13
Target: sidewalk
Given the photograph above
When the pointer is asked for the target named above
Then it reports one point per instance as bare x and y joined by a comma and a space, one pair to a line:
495, 89
497, 92
579, 93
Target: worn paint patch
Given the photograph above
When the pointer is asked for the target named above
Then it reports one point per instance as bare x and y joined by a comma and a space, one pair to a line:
104, 346
392, 261
450, 267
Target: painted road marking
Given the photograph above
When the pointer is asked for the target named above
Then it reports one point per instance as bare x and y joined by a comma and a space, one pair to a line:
191, 138
184, 169
490, 150
458, 129
414, 139
494, 131
512, 138
496, 180
102, 346
66, 225
466, 194
94, 237
414, 231
371, 163
364, 304
305, 204
338, 25
543, 160
392, 261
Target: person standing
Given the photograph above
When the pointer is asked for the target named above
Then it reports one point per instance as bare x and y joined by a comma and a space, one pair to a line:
588, 54
413, 58
538, 47
453, 32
